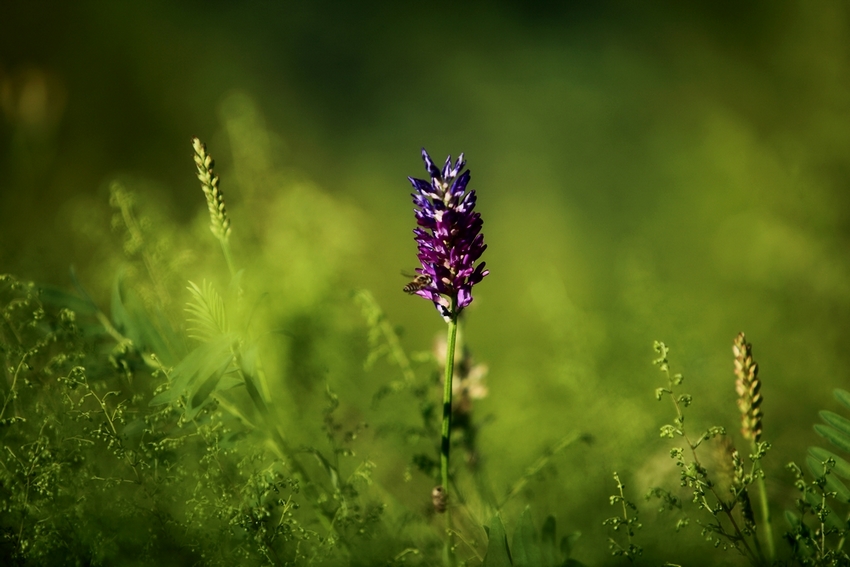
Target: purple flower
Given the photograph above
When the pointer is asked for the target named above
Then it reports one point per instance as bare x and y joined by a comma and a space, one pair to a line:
449, 237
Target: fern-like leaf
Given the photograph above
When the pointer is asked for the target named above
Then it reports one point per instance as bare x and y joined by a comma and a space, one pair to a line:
818, 535
206, 312
842, 467
843, 396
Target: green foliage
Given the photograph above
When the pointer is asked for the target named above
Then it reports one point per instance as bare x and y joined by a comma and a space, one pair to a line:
89, 473
227, 424
731, 523
384, 343
529, 548
150, 438
206, 312
819, 528
630, 551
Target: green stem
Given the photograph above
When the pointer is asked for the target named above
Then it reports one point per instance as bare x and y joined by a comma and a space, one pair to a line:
225, 247
445, 442
765, 512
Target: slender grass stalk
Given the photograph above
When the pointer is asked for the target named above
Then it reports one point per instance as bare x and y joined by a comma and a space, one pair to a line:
228, 256
748, 386
445, 443
255, 382
765, 510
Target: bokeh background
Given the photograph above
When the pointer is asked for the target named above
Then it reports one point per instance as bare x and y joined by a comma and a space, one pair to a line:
664, 170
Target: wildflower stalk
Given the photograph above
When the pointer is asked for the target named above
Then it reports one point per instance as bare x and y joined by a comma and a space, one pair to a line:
448, 236
445, 443
748, 387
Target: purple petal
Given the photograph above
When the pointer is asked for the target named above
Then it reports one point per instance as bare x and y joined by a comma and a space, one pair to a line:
447, 168
429, 165
464, 297
420, 185
459, 186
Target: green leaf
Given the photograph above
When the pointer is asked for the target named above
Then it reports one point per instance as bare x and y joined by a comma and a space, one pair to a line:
498, 554
120, 318
207, 313
158, 335
842, 424
233, 439
792, 519
133, 432
148, 333
549, 556
526, 546
842, 396
842, 493
331, 471
209, 385
842, 467
61, 298
568, 542
837, 438
250, 356
199, 364
229, 381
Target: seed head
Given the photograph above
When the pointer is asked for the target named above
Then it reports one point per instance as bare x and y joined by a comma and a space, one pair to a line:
219, 221
748, 387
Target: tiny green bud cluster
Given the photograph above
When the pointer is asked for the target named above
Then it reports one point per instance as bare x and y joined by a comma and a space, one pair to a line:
630, 551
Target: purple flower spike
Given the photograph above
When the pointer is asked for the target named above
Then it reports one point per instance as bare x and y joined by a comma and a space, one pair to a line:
449, 237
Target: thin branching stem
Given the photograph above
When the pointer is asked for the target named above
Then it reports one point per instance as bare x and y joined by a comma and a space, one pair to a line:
755, 558
12, 393
468, 544
625, 512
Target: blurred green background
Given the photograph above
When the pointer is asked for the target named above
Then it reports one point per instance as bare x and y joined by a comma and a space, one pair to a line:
664, 170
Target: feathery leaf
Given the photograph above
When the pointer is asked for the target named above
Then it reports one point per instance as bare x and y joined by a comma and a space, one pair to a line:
207, 312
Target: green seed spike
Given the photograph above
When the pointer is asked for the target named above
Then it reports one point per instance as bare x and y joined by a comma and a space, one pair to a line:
748, 387
219, 221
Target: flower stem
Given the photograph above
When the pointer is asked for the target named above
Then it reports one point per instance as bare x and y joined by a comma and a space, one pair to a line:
765, 511
445, 442
225, 248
